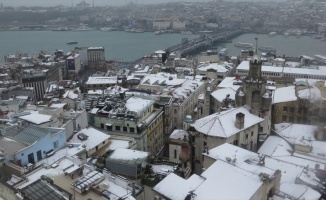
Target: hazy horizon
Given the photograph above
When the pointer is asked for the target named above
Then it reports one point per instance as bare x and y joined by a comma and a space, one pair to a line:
46, 3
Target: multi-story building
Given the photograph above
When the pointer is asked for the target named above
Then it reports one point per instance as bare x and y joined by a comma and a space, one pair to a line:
25, 144
94, 83
214, 71
284, 74
73, 63
96, 57
301, 103
256, 95
161, 25
236, 126
132, 117
185, 93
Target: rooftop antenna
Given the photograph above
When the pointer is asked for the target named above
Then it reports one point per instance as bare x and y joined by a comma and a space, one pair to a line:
256, 38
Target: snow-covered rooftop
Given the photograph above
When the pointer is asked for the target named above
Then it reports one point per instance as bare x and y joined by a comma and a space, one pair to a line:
230, 82
221, 94
292, 132
95, 137
284, 94
102, 80
212, 66
162, 79
36, 118
223, 124
128, 154
181, 187
138, 105
179, 134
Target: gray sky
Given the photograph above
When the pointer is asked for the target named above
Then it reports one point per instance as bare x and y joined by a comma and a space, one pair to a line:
68, 2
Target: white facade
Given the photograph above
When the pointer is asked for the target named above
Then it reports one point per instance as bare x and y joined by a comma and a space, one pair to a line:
161, 25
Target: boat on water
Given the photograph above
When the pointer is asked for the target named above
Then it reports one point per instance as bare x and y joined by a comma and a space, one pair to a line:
72, 42
186, 32
286, 34
244, 45
61, 29
83, 28
158, 32
106, 29
267, 49
271, 34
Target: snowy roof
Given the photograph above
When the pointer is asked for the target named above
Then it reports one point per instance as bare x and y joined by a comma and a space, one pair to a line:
220, 94
179, 134
312, 94
284, 94
275, 146
128, 155
114, 144
230, 82
70, 94
293, 132
95, 48
244, 65
95, 137
223, 124
102, 80
138, 105
213, 66
57, 105
221, 177
181, 187
245, 159
162, 79
36, 118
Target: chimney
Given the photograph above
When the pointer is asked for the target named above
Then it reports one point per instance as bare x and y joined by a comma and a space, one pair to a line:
239, 121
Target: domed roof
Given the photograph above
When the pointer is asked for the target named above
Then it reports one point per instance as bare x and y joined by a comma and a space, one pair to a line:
255, 59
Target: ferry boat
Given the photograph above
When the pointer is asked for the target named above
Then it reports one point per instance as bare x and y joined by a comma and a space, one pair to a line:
61, 29
72, 42
244, 45
223, 52
83, 28
271, 34
106, 29
158, 32
268, 49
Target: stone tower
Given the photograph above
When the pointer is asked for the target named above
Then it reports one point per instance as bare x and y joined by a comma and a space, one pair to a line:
253, 93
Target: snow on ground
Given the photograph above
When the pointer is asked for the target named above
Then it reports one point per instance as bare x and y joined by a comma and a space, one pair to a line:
163, 169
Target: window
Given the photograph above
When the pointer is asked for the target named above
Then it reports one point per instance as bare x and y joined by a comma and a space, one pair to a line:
117, 128
252, 133
132, 130
109, 128
300, 110
285, 109
292, 109
284, 118
235, 142
291, 119
299, 119
175, 153
103, 142
55, 144
102, 125
247, 136
261, 129
205, 144
125, 129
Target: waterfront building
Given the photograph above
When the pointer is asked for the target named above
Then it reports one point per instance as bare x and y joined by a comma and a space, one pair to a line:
284, 74
157, 58
96, 57
161, 25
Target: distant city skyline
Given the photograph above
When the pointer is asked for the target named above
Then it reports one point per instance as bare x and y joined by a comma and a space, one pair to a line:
46, 3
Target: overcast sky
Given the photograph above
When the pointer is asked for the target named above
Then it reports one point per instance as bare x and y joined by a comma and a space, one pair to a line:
69, 2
